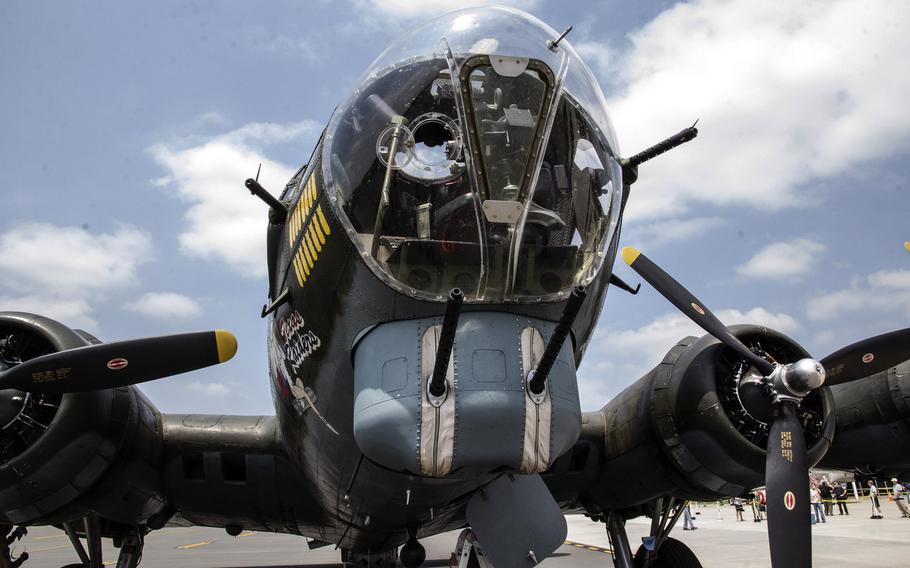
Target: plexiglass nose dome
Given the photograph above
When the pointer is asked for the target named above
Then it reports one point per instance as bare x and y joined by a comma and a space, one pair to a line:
474, 155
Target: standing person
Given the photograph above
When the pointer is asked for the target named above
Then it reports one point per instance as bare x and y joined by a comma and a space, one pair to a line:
873, 496
827, 496
688, 524
900, 497
756, 516
738, 506
762, 503
815, 497
840, 495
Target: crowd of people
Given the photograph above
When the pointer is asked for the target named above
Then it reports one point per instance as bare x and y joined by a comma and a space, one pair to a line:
824, 495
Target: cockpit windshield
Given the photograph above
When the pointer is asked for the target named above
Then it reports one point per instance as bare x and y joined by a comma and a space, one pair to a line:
473, 155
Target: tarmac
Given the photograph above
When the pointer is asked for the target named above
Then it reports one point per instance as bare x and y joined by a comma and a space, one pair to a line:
721, 541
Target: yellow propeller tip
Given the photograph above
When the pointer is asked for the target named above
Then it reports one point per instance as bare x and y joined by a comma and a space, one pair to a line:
227, 345
629, 254
907, 245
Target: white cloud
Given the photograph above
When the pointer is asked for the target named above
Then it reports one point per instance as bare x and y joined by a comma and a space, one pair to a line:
266, 39
787, 93
224, 222
649, 235
599, 57
209, 389
653, 340
69, 260
423, 8
619, 357
61, 272
211, 118
788, 260
885, 292
165, 305
264, 133
74, 312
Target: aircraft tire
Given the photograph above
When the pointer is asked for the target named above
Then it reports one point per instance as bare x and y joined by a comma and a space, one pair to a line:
673, 554
386, 559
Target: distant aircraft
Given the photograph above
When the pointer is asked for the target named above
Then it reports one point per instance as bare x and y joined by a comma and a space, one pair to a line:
436, 272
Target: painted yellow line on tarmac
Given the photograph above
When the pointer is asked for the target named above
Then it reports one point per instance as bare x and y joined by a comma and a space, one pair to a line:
247, 533
59, 546
589, 547
194, 545
49, 536
108, 562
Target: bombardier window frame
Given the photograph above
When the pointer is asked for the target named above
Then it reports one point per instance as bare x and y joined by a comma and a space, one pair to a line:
468, 66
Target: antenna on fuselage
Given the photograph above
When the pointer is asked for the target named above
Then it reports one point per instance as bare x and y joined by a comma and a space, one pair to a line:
553, 44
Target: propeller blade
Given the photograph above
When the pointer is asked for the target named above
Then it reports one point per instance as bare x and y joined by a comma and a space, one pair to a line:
787, 485
907, 245
867, 357
690, 306
111, 365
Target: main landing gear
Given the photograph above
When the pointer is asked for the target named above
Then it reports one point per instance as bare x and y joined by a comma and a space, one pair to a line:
657, 550
130, 544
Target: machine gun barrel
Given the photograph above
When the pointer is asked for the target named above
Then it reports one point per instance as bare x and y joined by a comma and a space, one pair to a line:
281, 212
446, 342
539, 379
677, 139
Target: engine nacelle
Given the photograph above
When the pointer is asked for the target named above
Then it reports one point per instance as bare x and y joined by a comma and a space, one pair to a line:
59, 453
873, 424
681, 430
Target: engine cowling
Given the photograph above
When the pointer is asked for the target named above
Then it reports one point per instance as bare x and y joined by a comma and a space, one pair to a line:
62, 456
682, 429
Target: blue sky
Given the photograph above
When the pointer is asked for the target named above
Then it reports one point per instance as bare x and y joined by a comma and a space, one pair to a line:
128, 128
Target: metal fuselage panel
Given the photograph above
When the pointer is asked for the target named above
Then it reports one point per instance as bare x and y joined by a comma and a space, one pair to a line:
335, 297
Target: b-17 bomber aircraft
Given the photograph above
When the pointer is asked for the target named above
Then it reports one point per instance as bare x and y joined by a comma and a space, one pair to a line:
436, 271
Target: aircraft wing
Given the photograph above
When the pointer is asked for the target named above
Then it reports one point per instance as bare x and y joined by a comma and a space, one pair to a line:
231, 471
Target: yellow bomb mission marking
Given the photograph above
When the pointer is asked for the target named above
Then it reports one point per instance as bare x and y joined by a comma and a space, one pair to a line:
308, 230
